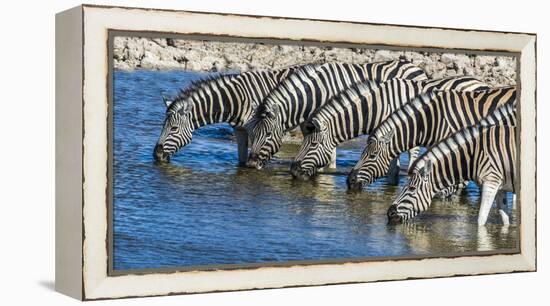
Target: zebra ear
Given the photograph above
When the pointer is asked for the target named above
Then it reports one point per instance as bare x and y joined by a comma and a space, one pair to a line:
386, 138
270, 112
427, 169
167, 101
185, 108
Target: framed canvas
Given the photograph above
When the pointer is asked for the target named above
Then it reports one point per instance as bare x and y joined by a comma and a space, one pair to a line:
201, 152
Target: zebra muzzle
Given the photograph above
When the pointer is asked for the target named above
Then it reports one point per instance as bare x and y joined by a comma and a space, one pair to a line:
353, 181
393, 215
159, 155
254, 161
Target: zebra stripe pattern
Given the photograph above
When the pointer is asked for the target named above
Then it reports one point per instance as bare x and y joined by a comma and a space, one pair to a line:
425, 121
483, 154
227, 98
358, 111
293, 101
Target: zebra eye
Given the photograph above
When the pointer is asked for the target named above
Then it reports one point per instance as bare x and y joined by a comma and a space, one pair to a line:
174, 129
412, 188
372, 156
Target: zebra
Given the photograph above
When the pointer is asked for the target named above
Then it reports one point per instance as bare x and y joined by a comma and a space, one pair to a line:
484, 154
227, 98
425, 121
292, 102
358, 111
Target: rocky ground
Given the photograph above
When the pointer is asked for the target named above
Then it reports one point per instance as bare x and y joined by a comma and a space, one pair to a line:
162, 54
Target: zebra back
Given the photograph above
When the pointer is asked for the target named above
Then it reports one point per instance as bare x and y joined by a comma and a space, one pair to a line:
504, 115
460, 83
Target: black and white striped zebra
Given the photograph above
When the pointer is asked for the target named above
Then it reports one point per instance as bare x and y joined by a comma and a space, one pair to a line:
225, 98
423, 122
358, 111
483, 154
293, 101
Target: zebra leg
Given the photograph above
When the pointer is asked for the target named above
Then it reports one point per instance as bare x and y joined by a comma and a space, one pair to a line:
242, 145
332, 164
488, 192
393, 172
501, 204
413, 155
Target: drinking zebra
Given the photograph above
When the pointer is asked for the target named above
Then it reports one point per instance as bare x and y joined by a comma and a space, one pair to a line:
423, 122
226, 98
358, 111
293, 101
483, 154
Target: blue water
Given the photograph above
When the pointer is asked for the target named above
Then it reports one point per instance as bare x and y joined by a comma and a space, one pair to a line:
202, 209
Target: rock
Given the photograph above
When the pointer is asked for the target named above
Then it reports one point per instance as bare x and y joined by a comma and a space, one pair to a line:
150, 61
457, 61
484, 60
385, 55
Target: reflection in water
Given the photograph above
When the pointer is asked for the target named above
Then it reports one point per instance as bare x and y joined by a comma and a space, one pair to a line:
202, 209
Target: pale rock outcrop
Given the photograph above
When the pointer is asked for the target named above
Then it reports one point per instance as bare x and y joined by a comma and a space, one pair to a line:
163, 54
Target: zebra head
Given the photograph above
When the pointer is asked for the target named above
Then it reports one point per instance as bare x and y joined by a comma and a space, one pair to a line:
266, 134
374, 162
415, 197
316, 150
177, 130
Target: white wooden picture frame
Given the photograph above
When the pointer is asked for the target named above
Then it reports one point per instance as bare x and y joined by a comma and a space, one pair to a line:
82, 156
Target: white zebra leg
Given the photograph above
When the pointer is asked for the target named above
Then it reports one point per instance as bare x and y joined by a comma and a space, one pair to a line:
413, 155
393, 172
484, 242
332, 164
501, 204
488, 192
242, 145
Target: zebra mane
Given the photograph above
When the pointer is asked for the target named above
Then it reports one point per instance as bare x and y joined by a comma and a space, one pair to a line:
447, 145
299, 73
180, 99
352, 93
388, 125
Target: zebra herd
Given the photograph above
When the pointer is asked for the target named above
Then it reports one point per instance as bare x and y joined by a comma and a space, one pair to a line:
466, 126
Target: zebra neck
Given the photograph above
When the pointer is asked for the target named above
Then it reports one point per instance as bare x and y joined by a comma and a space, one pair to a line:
342, 133
230, 103
418, 124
